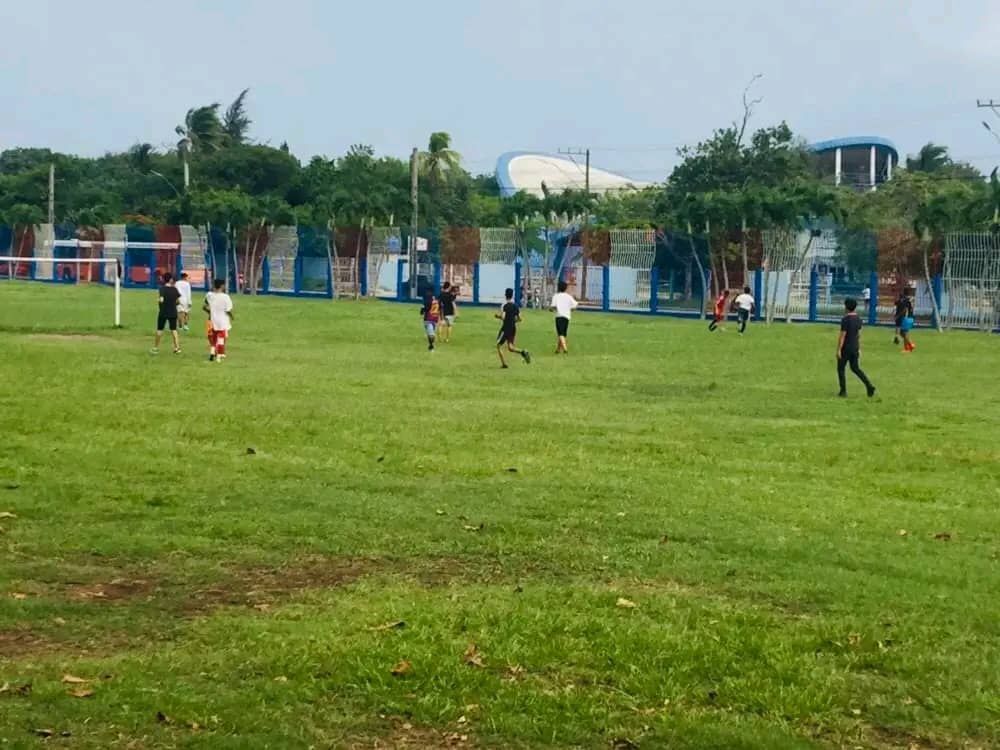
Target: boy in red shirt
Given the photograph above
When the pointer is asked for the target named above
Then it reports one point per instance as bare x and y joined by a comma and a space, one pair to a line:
720, 310
432, 314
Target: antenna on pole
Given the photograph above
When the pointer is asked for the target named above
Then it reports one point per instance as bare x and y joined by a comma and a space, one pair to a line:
581, 152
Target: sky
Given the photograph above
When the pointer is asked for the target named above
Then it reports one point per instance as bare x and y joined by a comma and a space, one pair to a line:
630, 79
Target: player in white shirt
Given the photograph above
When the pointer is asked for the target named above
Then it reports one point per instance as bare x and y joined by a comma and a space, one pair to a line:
184, 305
563, 305
219, 307
744, 305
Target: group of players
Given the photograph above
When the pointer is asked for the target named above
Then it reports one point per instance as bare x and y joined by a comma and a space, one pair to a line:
175, 299
439, 312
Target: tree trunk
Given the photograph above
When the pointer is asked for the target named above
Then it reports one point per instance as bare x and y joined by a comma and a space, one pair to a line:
743, 250
930, 288
701, 271
687, 279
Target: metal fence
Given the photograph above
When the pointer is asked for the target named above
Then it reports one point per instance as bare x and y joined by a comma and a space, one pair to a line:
794, 276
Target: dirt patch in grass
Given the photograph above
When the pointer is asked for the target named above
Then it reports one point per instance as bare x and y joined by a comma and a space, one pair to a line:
885, 738
16, 643
405, 736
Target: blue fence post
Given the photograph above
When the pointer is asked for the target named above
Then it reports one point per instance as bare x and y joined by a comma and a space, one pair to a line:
654, 289
517, 281
265, 276
475, 283
297, 275
606, 288
437, 277
813, 295
363, 273
329, 281
399, 279
758, 293
873, 298
936, 290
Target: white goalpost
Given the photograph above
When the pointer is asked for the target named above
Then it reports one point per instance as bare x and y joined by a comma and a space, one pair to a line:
113, 257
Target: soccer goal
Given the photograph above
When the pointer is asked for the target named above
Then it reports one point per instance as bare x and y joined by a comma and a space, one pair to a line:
13, 267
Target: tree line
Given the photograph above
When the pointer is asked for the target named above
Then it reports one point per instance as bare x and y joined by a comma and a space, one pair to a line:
734, 181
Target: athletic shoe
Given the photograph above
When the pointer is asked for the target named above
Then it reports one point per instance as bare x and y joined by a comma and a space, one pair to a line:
895, 339
154, 350
177, 351
842, 394
220, 357
211, 357
526, 356
504, 367
871, 392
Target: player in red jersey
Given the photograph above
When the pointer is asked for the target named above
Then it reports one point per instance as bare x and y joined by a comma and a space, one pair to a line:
720, 310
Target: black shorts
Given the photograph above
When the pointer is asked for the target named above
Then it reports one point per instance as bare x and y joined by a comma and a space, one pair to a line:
162, 322
562, 326
506, 337
744, 315
898, 320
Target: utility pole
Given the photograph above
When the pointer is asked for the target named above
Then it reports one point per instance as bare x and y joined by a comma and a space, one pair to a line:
52, 193
414, 188
992, 106
585, 153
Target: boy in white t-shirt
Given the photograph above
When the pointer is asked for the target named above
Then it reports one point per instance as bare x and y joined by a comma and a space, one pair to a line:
219, 307
563, 305
744, 305
184, 304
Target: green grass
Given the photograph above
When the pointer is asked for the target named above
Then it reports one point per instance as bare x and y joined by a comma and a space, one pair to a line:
779, 544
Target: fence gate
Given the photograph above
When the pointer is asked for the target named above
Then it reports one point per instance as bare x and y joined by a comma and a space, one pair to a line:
632, 254
282, 249
384, 245
498, 251
971, 281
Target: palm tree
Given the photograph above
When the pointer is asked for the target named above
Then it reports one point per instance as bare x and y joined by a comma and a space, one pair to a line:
201, 131
140, 157
439, 160
931, 158
236, 122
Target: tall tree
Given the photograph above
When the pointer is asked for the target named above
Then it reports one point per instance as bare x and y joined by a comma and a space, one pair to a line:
236, 122
440, 160
201, 131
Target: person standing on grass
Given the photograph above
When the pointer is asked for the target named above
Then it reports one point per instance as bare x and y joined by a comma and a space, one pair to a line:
168, 300
510, 315
744, 304
219, 307
184, 306
720, 311
563, 304
904, 309
432, 315
849, 349
448, 309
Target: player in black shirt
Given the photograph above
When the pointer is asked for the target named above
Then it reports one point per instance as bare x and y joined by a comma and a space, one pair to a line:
447, 299
169, 299
904, 309
849, 348
510, 314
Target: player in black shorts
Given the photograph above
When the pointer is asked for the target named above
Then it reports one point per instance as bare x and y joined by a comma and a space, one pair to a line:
169, 299
448, 310
510, 314
849, 349
904, 309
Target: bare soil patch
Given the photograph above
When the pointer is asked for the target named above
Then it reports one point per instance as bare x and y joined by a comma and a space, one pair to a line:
405, 736
66, 337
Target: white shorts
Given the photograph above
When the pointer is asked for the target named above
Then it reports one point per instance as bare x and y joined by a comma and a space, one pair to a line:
430, 328
449, 320
184, 307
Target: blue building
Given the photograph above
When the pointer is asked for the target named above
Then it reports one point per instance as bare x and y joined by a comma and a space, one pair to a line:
861, 162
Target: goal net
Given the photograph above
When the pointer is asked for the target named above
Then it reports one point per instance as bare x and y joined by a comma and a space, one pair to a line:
68, 270
971, 276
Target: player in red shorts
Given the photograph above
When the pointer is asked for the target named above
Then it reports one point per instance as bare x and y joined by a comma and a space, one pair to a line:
720, 310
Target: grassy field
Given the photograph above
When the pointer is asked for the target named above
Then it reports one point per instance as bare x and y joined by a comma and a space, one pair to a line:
667, 539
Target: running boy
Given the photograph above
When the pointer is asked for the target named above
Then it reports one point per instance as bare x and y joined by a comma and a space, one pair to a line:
432, 315
448, 309
849, 348
904, 309
563, 305
219, 307
510, 314
744, 304
184, 306
720, 311
168, 300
